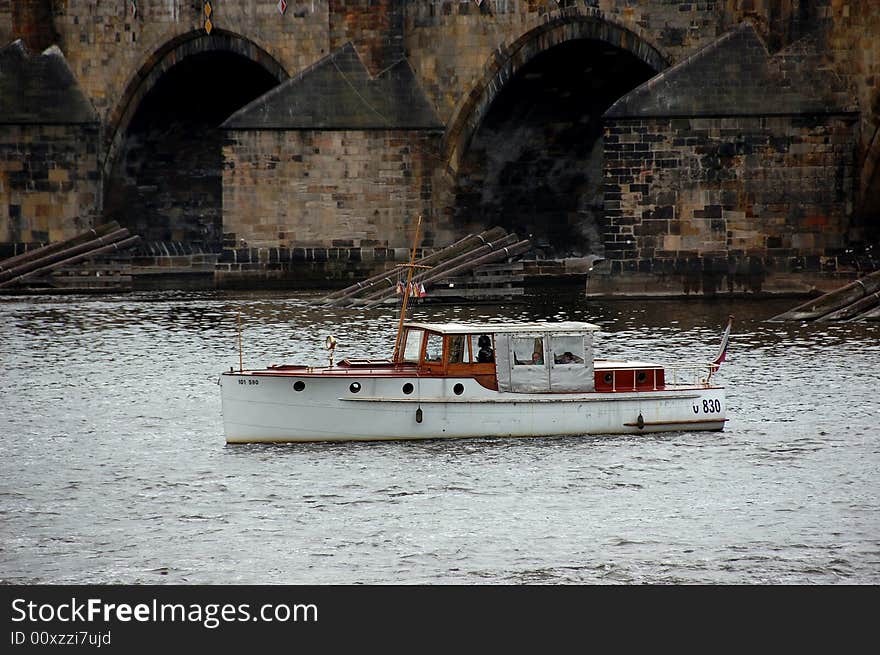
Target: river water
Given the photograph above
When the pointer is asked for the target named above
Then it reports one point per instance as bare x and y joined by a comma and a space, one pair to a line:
115, 470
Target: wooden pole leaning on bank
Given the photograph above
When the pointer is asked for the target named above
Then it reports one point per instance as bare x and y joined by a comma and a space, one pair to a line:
471, 256
497, 255
835, 301
90, 250
388, 279
25, 259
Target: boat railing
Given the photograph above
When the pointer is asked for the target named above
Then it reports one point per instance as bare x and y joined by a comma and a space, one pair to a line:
690, 373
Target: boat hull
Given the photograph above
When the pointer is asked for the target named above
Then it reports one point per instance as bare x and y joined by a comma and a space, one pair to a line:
266, 408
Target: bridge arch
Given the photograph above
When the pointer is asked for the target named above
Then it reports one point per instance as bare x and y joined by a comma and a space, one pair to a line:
524, 149
505, 62
162, 171
166, 57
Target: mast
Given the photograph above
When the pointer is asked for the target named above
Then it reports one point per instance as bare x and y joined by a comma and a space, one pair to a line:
406, 289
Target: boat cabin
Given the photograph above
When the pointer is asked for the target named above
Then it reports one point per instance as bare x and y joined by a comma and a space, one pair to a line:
520, 357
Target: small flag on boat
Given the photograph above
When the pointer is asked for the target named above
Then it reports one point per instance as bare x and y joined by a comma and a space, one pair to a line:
422, 292
725, 342
399, 289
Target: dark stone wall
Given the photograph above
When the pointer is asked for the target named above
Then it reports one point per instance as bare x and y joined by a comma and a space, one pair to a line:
727, 196
6, 29
319, 267
49, 139
50, 182
733, 163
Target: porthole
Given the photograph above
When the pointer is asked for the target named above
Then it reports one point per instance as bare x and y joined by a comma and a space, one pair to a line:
607, 379
407, 388
354, 387
458, 389
299, 385
641, 377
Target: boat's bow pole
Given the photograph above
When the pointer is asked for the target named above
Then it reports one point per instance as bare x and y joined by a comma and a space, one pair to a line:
240, 355
406, 291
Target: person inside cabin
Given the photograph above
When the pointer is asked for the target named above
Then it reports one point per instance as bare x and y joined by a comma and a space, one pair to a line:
485, 354
568, 358
521, 354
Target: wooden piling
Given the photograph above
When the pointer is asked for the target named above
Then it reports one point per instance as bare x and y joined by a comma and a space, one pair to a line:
445, 267
22, 271
494, 256
73, 258
10, 263
834, 302
346, 296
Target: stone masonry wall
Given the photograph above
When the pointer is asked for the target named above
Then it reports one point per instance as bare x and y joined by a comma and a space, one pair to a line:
49, 181
106, 44
853, 39
451, 42
727, 196
451, 45
307, 208
326, 189
374, 26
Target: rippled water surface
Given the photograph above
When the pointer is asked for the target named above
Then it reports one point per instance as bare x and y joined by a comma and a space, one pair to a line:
114, 467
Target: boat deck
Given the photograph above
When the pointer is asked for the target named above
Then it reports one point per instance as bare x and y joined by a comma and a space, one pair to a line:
609, 375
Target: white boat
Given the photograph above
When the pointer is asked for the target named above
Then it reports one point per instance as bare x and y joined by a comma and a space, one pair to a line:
451, 380
454, 380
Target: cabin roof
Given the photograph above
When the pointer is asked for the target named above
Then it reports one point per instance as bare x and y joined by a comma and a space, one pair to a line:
479, 328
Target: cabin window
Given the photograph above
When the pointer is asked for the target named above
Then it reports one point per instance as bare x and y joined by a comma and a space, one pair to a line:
567, 350
457, 349
413, 345
486, 349
528, 351
434, 347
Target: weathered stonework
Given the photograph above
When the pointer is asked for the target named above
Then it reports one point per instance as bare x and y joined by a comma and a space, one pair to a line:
49, 137
48, 184
111, 50
453, 45
374, 27
851, 34
712, 195
32, 23
327, 166
326, 189
464, 55
7, 30
754, 175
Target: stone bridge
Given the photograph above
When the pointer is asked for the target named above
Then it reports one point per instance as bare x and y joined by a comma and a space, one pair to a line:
731, 140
